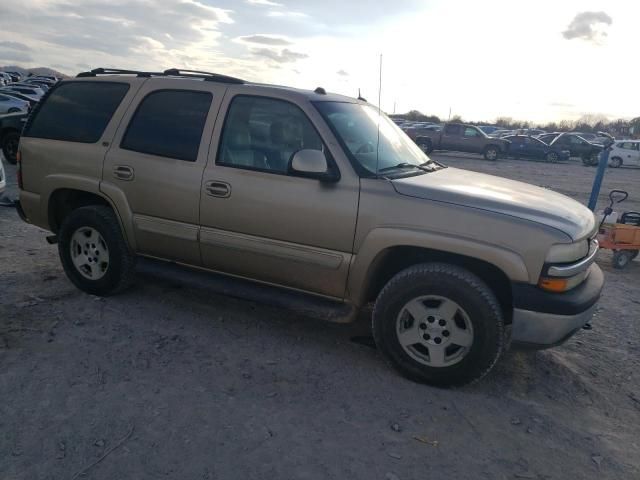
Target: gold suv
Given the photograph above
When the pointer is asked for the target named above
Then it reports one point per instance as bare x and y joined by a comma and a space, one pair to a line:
312, 192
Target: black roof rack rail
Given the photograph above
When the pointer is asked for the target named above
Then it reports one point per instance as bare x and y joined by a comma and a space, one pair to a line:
115, 71
212, 77
172, 72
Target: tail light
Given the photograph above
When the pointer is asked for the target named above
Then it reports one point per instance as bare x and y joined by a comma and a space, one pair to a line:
19, 169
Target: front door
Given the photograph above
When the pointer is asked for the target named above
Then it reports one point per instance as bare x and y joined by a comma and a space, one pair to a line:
473, 140
157, 160
257, 221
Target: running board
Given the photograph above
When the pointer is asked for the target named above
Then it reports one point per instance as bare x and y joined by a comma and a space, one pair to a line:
217, 283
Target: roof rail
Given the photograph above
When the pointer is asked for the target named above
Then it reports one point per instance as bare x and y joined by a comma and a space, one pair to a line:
172, 72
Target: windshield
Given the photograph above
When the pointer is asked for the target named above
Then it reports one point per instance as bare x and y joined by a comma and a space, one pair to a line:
357, 127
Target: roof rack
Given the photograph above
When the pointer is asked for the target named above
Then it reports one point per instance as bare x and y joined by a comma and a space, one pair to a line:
172, 72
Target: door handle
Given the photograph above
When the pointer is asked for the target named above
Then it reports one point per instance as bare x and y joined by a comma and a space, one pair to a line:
123, 172
217, 189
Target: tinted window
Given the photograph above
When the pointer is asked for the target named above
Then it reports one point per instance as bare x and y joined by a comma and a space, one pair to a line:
77, 111
515, 140
264, 133
471, 132
452, 129
169, 123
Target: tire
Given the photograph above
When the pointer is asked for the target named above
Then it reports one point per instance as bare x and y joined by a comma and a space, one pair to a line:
634, 254
616, 162
425, 145
491, 153
10, 142
551, 157
120, 262
621, 258
469, 353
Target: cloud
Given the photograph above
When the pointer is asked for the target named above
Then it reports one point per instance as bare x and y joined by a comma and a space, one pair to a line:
266, 3
285, 56
281, 14
273, 40
14, 56
588, 26
342, 73
15, 46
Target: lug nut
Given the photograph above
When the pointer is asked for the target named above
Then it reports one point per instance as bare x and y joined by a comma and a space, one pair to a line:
442, 322
445, 333
438, 340
426, 336
423, 326
431, 319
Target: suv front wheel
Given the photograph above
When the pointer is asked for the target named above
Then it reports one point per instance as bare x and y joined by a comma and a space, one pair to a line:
439, 324
93, 251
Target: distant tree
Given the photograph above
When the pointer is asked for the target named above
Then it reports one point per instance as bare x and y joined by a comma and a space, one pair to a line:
456, 119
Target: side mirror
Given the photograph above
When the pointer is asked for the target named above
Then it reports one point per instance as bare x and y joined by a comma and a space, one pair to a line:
311, 164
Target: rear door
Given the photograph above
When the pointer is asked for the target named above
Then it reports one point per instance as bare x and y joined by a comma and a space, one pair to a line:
451, 138
157, 160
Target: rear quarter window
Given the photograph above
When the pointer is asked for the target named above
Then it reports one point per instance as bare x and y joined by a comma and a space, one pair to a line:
76, 111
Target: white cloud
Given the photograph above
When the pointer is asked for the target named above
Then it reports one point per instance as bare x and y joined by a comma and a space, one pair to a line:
588, 26
265, 39
267, 3
281, 14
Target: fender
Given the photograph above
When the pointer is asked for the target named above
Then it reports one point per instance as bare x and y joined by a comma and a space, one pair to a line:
113, 196
380, 239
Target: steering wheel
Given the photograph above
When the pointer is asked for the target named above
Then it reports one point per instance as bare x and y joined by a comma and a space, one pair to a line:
366, 148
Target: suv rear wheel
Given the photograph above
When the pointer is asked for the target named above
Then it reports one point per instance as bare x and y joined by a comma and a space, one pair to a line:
93, 251
439, 324
616, 162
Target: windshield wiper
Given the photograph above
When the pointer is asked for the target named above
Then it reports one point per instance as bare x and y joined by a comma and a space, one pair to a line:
426, 167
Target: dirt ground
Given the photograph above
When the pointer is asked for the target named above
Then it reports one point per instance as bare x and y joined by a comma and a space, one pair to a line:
170, 380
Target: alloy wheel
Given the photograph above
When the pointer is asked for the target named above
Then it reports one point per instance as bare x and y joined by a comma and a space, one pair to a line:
434, 331
89, 253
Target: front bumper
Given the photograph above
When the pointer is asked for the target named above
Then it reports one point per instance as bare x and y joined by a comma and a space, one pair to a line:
543, 319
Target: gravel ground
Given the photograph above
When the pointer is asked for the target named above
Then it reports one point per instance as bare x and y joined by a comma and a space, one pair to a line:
170, 380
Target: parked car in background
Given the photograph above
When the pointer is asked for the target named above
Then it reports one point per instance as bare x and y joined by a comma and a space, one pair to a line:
579, 147
12, 105
12, 93
3, 178
625, 153
5, 78
10, 128
548, 137
488, 129
526, 146
30, 91
15, 76
44, 86
501, 133
462, 138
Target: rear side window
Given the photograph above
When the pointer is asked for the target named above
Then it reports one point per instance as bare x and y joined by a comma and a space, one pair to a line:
452, 129
77, 111
169, 123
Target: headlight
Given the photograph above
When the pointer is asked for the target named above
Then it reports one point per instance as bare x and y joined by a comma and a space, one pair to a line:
567, 252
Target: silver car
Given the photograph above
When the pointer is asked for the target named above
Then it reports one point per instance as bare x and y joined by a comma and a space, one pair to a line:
12, 105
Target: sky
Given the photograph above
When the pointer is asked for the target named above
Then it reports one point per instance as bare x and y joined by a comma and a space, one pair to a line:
538, 61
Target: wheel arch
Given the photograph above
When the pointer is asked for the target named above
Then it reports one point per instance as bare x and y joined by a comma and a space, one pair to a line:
62, 201
393, 260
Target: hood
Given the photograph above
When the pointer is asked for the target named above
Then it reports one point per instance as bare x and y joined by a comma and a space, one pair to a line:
500, 195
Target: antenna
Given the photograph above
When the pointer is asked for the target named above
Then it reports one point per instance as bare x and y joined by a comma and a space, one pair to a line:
379, 112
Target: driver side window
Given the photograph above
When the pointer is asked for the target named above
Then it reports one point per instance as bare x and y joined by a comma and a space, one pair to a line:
263, 134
